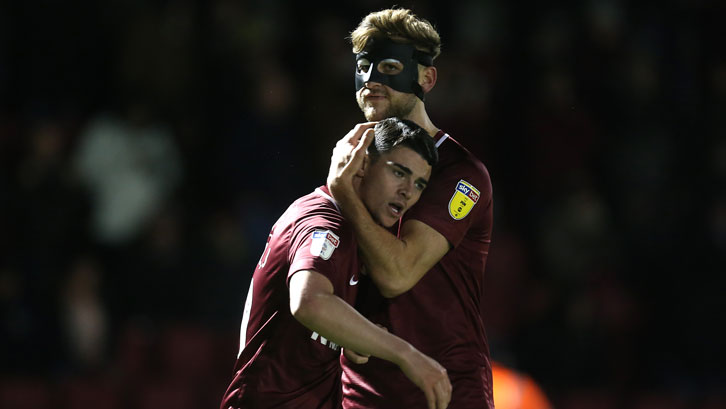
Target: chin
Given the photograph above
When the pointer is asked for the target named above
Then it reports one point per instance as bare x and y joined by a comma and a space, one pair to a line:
390, 223
373, 114
384, 222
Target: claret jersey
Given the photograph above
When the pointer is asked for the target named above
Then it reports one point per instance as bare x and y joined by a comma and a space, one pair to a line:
442, 314
281, 363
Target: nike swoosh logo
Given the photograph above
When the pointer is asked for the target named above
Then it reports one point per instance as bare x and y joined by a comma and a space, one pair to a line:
353, 281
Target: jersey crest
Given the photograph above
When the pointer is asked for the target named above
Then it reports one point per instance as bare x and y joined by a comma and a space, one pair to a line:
324, 244
464, 198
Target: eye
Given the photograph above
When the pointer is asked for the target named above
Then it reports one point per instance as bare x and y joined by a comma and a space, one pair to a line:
420, 186
390, 66
399, 173
362, 65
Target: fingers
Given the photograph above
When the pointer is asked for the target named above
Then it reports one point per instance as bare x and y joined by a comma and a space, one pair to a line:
438, 389
365, 141
430, 377
358, 359
430, 398
359, 153
442, 390
344, 149
355, 357
355, 134
439, 396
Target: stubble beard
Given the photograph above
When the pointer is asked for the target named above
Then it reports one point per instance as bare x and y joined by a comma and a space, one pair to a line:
400, 108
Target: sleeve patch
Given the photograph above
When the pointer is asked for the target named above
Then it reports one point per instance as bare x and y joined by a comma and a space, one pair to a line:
464, 198
324, 243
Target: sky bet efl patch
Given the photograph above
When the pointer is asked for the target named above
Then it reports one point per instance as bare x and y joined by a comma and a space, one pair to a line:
324, 244
464, 199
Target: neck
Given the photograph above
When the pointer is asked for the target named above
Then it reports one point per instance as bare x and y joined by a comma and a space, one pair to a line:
421, 118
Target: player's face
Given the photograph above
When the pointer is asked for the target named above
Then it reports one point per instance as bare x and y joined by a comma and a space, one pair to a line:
394, 183
378, 101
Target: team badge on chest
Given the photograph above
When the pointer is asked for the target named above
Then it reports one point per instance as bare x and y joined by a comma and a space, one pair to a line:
324, 243
464, 198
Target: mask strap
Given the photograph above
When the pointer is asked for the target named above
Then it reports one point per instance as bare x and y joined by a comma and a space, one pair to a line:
423, 58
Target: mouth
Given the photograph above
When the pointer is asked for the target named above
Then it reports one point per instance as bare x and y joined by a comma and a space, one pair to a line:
373, 98
373, 95
396, 208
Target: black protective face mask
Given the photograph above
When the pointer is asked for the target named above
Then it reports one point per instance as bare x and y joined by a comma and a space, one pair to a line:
380, 57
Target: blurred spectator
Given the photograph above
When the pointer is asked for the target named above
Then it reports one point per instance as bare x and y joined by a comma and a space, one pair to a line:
41, 230
576, 235
42, 209
84, 317
224, 252
131, 165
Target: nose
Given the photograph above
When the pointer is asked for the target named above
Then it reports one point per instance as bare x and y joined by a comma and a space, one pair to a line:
371, 84
406, 189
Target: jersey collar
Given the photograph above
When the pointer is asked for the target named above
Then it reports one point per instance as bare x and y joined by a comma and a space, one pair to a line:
325, 192
440, 137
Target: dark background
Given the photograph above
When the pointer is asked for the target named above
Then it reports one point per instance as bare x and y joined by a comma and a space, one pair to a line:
146, 148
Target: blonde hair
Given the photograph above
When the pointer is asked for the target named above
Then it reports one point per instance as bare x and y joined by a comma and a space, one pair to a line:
399, 25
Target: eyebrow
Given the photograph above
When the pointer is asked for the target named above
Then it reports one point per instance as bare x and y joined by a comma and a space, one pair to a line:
398, 165
407, 171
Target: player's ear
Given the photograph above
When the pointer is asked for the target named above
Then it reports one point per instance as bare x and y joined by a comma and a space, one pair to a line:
364, 167
427, 78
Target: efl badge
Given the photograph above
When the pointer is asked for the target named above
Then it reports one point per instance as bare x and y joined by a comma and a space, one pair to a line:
464, 199
324, 244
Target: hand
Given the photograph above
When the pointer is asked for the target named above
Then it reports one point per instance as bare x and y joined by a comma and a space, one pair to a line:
430, 376
355, 357
348, 156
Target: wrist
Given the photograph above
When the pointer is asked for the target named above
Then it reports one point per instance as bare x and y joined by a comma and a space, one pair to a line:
345, 195
339, 189
404, 354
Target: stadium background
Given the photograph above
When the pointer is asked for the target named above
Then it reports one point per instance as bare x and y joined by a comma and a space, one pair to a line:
146, 147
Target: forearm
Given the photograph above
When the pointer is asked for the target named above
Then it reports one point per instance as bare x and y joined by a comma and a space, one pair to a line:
337, 321
320, 310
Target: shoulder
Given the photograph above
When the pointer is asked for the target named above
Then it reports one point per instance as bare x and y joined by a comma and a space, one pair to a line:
457, 164
315, 207
452, 151
317, 212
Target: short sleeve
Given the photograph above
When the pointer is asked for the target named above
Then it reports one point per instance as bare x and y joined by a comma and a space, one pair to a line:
320, 245
456, 196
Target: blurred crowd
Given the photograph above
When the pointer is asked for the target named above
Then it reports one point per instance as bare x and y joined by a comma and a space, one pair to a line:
147, 147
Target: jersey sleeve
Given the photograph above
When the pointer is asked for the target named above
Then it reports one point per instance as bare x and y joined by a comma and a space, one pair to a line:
321, 245
458, 196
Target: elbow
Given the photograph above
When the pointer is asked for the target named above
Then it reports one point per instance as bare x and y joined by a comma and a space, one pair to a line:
396, 279
391, 288
304, 309
390, 293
